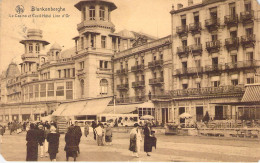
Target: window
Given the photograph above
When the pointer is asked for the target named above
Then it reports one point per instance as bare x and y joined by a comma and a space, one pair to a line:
197, 40
31, 91
43, 90
198, 85
184, 86
197, 63
234, 82
215, 83
82, 87
82, 42
183, 20
36, 87
248, 6
103, 41
232, 9
50, 89
65, 73
92, 13
60, 89
68, 71
249, 32
234, 58
92, 41
106, 64
30, 48
59, 72
214, 37
161, 56
103, 87
69, 90
82, 65
184, 65
233, 34
100, 64
37, 48
73, 72
250, 56
154, 57
142, 60
250, 80
213, 13
102, 13
196, 17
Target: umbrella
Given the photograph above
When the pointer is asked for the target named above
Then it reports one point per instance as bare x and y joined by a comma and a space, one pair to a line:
185, 115
147, 117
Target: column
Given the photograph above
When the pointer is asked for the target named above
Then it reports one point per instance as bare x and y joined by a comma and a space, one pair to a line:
116, 48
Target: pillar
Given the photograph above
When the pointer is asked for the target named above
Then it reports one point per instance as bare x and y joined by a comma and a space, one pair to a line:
116, 46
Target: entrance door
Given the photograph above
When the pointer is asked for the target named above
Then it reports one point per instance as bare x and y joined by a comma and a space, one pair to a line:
164, 115
199, 113
182, 110
218, 112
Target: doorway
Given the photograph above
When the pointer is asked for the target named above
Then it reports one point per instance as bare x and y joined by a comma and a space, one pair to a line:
165, 115
182, 110
218, 112
199, 113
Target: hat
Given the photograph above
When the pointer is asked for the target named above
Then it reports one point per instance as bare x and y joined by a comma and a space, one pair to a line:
40, 126
53, 129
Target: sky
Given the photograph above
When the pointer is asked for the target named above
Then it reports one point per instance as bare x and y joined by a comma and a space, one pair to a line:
148, 16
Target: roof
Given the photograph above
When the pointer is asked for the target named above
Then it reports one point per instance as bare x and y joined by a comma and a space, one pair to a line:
68, 53
251, 94
55, 46
121, 109
111, 4
12, 70
126, 34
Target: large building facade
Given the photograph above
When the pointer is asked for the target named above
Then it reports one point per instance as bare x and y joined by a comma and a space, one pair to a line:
215, 54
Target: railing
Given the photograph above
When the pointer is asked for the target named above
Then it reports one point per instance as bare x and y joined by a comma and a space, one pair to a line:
156, 63
143, 98
138, 84
182, 29
231, 19
242, 64
210, 45
232, 42
137, 68
122, 71
193, 27
182, 49
196, 48
247, 16
210, 68
122, 87
248, 39
212, 22
156, 81
209, 91
65, 60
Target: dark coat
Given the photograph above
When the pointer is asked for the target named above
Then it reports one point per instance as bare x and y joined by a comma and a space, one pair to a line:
71, 142
32, 145
147, 140
78, 133
41, 137
53, 139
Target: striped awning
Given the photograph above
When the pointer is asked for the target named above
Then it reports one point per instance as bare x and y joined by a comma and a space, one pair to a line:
252, 94
121, 109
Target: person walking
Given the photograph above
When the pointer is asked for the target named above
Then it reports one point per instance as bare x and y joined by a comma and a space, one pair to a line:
135, 141
78, 134
108, 135
94, 125
1, 133
86, 129
46, 143
32, 144
147, 139
53, 140
41, 139
99, 133
71, 146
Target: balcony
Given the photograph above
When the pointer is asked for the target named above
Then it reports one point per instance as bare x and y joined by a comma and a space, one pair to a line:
213, 68
182, 30
247, 17
183, 51
195, 28
196, 49
231, 20
213, 46
248, 41
122, 87
155, 63
242, 65
189, 71
138, 84
232, 43
212, 24
209, 91
123, 71
137, 68
156, 81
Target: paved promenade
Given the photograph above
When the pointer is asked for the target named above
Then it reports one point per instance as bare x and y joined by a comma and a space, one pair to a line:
169, 148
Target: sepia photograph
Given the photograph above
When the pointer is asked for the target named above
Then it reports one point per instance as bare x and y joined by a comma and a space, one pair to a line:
130, 80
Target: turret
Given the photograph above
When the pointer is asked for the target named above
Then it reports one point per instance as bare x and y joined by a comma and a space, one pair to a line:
55, 53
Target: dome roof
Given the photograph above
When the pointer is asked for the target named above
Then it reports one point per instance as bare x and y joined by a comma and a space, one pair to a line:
126, 34
12, 70
55, 46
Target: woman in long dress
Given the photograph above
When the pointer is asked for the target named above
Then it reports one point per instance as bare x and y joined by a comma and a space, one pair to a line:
53, 140
32, 144
148, 139
135, 141
71, 146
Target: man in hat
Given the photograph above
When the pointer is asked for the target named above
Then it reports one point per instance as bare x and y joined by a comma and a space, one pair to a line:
41, 139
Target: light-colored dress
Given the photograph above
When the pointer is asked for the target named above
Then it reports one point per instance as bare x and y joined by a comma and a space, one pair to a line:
136, 134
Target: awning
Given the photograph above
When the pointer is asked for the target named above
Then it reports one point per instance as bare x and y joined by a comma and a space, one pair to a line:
121, 109
148, 104
252, 94
86, 107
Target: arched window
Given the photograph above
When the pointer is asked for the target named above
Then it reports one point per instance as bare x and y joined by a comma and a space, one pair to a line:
82, 88
103, 87
92, 13
57, 55
37, 48
30, 48
102, 13
43, 60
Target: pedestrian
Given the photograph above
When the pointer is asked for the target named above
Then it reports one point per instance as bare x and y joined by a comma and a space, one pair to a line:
1, 133
94, 125
135, 141
147, 139
32, 144
53, 140
99, 133
41, 139
108, 135
11, 128
71, 146
46, 143
78, 134
86, 129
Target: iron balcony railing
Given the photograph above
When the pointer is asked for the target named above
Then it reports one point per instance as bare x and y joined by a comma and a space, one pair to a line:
190, 70
155, 63
248, 39
122, 87
210, 45
247, 16
182, 29
138, 84
156, 81
231, 19
183, 50
232, 42
196, 48
212, 22
137, 68
209, 91
195, 27
216, 67
122, 71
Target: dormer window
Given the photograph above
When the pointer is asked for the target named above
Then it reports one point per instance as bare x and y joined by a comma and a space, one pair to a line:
30, 48
37, 48
102, 13
92, 13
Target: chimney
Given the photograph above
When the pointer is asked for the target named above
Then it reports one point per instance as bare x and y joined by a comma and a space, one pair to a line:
190, 2
179, 6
